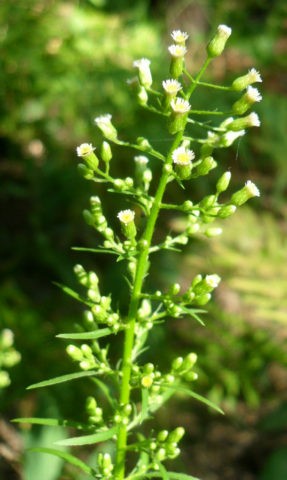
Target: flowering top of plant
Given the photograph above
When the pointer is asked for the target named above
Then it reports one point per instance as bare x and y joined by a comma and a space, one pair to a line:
126, 391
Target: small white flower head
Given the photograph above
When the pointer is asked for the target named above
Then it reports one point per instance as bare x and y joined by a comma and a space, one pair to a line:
126, 216
217, 44
212, 280
179, 37
177, 51
252, 189
253, 120
179, 105
104, 122
254, 76
85, 149
171, 86
143, 66
141, 160
224, 31
229, 137
253, 95
182, 156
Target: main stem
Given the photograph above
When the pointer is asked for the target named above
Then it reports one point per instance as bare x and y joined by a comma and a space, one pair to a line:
141, 272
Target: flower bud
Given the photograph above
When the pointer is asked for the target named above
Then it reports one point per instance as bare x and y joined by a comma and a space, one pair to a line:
106, 152
207, 164
244, 81
223, 182
251, 120
177, 59
246, 101
105, 125
145, 77
217, 44
178, 116
142, 96
176, 435
248, 191
213, 232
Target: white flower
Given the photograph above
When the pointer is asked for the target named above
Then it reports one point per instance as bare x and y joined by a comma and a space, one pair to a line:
182, 156
126, 216
171, 86
178, 36
212, 280
253, 95
105, 125
253, 120
224, 31
254, 76
179, 105
177, 51
141, 160
252, 189
103, 119
85, 149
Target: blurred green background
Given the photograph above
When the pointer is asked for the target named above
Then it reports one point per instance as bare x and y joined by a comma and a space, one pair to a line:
62, 64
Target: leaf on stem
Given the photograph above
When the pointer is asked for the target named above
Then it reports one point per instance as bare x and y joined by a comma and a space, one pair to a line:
52, 422
62, 379
103, 332
89, 439
67, 457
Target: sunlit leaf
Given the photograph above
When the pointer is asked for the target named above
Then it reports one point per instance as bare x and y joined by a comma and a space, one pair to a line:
89, 439
62, 379
103, 332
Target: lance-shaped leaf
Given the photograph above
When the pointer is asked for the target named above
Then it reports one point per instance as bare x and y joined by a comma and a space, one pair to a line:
52, 422
190, 393
62, 379
93, 335
89, 439
73, 294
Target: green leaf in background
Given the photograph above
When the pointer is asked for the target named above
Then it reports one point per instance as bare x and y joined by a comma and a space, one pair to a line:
65, 456
62, 379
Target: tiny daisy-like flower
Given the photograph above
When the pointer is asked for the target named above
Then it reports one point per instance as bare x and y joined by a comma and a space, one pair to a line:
252, 189
217, 44
179, 105
177, 51
253, 120
126, 216
254, 76
253, 94
141, 160
182, 156
85, 149
179, 37
171, 86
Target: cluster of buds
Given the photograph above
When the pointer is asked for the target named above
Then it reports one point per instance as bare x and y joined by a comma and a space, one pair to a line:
165, 446
143, 174
95, 218
200, 290
95, 413
105, 466
84, 356
8, 355
101, 311
122, 415
183, 367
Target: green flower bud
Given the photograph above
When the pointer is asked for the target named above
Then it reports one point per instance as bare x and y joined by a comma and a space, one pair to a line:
162, 436
223, 182
244, 81
246, 101
207, 164
177, 53
176, 435
248, 191
85, 172
105, 125
142, 96
106, 152
251, 120
178, 116
226, 211
217, 44
143, 66
213, 232
203, 299
81, 274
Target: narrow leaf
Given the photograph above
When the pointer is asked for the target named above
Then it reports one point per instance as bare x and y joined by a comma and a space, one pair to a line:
144, 406
102, 332
67, 457
62, 379
52, 422
72, 293
89, 439
190, 393
103, 387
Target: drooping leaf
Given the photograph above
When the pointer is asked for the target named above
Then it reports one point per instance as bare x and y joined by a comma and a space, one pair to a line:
93, 335
89, 439
67, 457
190, 393
62, 379
73, 294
